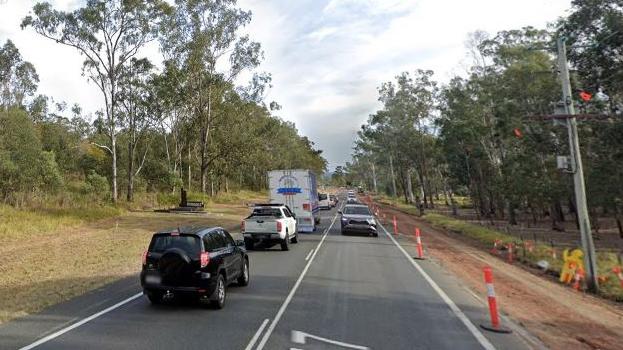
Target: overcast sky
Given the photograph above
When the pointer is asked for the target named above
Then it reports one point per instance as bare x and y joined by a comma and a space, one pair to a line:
326, 56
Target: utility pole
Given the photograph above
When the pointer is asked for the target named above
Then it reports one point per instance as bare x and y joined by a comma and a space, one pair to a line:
578, 173
374, 178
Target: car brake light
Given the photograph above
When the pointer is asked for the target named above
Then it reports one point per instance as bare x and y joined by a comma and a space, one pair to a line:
145, 257
242, 226
278, 226
205, 259
306, 206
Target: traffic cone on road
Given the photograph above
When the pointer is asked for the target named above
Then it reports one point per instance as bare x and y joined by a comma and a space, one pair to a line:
418, 242
493, 307
395, 226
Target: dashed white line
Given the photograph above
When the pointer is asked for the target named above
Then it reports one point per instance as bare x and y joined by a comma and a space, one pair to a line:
309, 255
486, 344
80, 323
288, 299
257, 335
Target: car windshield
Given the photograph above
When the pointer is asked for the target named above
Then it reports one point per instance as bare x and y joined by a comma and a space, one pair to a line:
273, 212
188, 243
356, 210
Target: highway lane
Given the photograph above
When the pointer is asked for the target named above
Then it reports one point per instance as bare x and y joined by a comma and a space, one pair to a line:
139, 325
362, 292
355, 292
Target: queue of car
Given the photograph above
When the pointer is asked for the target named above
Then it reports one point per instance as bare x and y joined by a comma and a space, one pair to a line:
202, 261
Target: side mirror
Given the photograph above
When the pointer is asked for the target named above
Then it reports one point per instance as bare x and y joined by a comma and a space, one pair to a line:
339, 212
240, 243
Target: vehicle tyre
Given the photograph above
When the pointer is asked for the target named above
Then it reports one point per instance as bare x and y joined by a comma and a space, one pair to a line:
284, 243
243, 280
155, 298
295, 239
375, 235
218, 298
248, 243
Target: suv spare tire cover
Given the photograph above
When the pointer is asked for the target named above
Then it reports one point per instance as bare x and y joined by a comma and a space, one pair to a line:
175, 267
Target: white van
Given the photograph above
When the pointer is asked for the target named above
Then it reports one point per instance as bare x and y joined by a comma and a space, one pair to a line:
298, 191
324, 202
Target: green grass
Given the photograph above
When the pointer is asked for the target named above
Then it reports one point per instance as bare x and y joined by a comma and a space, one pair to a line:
15, 223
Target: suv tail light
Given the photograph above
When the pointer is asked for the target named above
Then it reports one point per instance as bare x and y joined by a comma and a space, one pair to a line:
306, 206
278, 226
144, 259
242, 226
205, 259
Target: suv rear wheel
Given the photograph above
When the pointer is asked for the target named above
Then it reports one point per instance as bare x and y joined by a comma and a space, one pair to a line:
295, 239
219, 295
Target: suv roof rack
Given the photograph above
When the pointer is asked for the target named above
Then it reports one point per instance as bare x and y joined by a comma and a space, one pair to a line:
268, 204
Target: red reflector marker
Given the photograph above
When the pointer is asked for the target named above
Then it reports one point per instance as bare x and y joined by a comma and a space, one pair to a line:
144, 259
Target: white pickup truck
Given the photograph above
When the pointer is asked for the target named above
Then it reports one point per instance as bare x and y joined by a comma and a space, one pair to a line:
270, 223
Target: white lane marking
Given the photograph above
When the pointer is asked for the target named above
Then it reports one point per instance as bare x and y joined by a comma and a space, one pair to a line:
80, 323
298, 337
309, 255
286, 302
455, 309
257, 335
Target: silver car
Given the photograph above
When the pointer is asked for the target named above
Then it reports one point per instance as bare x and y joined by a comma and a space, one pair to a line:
357, 218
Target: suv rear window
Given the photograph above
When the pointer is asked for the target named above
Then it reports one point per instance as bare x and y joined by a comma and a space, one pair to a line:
188, 243
322, 196
274, 212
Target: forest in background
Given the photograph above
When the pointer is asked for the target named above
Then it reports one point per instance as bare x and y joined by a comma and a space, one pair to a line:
181, 122
482, 135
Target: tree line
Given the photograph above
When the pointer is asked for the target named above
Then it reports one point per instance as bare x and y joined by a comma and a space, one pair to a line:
484, 134
182, 122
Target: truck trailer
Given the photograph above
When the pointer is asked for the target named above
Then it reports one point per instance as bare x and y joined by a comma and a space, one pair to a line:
297, 189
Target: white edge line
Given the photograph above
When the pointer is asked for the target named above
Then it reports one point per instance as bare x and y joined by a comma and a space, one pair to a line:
288, 299
257, 335
80, 323
309, 255
455, 309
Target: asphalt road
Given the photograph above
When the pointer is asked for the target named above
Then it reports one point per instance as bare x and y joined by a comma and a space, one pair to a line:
328, 292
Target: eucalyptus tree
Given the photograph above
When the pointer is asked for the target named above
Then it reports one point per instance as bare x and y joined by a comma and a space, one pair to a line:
18, 78
108, 33
139, 111
204, 38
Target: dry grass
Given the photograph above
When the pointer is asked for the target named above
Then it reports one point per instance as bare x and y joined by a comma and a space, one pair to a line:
50, 256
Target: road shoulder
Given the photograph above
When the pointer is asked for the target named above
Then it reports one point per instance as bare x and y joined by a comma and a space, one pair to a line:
559, 317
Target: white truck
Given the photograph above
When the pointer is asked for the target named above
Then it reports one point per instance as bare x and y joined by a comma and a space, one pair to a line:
270, 223
298, 191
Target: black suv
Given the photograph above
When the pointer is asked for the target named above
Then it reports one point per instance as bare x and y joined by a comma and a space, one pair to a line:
196, 261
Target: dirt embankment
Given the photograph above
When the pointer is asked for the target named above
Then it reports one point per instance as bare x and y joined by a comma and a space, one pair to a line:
559, 316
